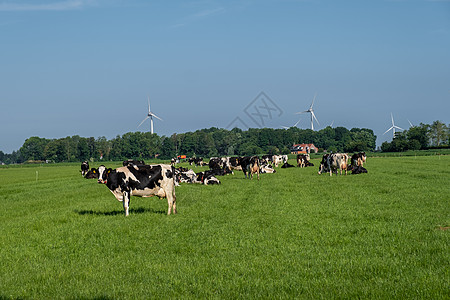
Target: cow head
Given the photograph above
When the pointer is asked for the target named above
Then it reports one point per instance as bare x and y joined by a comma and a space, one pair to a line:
103, 174
92, 173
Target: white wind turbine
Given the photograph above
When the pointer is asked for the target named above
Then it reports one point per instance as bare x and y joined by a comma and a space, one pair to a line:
311, 111
285, 127
150, 115
393, 127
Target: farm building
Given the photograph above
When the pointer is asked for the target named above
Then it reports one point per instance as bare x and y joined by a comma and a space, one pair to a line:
303, 148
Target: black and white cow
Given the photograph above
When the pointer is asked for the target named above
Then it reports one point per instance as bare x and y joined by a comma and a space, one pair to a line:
132, 162
84, 168
91, 174
141, 181
234, 163
198, 161
302, 159
266, 169
216, 163
250, 165
358, 159
324, 164
267, 158
333, 162
206, 178
173, 162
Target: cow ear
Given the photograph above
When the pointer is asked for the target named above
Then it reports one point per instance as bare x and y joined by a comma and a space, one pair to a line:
93, 171
109, 170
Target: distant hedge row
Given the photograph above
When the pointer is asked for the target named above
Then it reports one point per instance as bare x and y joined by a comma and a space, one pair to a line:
204, 142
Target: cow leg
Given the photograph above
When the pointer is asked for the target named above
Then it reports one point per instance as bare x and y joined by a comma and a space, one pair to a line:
174, 201
126, 202
171, 201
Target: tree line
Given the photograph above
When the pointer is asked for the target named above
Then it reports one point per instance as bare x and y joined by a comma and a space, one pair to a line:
424, 136
213, 142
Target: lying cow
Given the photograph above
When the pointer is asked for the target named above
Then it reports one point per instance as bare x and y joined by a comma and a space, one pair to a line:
187, 176
301, 160
217, 163
357, 169
142, 181
132, 162
206, 178
198, 161
267, 169
287, 165
84, 168
91, 174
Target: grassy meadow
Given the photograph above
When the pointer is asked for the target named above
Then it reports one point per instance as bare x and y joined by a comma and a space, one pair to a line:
293, 234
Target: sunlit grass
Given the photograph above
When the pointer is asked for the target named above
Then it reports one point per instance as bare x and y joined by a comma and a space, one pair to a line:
293, 234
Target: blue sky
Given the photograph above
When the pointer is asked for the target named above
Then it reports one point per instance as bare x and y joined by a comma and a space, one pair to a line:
86, 67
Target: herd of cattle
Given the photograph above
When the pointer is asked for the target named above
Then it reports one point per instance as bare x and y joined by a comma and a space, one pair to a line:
136, 178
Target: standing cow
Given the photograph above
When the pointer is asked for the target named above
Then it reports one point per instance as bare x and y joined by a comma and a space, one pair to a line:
358, 159
141, 181
332, 162
250, 165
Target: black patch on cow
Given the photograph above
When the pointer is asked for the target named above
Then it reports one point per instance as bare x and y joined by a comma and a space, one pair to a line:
169, 173
287, 165
147, 176
113, 179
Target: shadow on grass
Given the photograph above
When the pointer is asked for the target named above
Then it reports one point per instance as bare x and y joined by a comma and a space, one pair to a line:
119, 212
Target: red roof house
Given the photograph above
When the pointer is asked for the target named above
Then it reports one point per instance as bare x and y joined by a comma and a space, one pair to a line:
303, 148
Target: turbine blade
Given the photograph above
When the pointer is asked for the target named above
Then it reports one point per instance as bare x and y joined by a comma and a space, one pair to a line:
398, 127
410, 124
387, 130
312, 103
296, 123
314, 116
301, 112
156, 116
143, 121
392, 118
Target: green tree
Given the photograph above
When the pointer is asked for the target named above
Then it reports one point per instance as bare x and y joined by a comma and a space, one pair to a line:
82, 150
419, 134
438, 133
33, 148
56, 150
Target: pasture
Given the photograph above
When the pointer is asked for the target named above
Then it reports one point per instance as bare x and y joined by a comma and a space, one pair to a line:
293, 234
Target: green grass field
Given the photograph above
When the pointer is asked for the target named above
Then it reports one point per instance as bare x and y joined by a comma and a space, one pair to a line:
293, 234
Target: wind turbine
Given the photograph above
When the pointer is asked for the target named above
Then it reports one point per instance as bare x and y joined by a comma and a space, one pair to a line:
393, 127
285, 127
311, 111
410, 124
150, 115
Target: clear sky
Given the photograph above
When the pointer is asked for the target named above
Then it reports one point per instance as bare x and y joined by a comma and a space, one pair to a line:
86, 67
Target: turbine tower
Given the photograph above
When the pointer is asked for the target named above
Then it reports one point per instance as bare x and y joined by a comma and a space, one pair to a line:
393, 127
311, 111
150, 115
